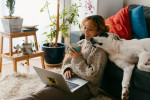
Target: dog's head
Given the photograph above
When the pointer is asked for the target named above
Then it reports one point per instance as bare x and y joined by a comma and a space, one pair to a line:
104, 40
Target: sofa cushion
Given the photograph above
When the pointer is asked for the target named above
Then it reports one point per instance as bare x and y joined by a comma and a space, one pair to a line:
112, 86
141, 79
138, 23
120, 24
146, 14
113, 71
138, 94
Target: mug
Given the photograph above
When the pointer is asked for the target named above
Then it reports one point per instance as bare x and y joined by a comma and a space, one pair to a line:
75, 46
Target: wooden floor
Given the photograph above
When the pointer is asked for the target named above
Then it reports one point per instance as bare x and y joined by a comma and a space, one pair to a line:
22, 67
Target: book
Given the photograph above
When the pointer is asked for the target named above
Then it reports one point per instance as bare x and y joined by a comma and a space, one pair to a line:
29, 29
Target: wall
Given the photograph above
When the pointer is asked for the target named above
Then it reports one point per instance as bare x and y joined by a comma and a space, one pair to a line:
140, 2
84, 10
107, 8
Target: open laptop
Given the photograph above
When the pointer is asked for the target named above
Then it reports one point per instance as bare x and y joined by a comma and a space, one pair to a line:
57, 80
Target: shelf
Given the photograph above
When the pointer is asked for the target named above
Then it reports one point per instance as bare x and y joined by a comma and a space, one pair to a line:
20, 34
19, 57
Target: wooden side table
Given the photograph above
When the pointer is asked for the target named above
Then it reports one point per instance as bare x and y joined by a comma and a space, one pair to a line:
12, 55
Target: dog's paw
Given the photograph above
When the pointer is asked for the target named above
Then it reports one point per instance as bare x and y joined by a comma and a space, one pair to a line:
125, 93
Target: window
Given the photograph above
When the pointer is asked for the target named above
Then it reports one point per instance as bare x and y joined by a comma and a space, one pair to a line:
29, 10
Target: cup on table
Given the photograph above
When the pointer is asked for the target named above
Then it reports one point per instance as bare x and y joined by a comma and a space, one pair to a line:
75, 46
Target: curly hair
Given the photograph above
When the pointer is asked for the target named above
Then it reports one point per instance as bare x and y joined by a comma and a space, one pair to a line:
99, 23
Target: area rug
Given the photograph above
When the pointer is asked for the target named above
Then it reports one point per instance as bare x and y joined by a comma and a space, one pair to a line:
20, 84
102, 97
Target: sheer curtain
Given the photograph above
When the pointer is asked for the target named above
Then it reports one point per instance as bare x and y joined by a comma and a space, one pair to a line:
29, 10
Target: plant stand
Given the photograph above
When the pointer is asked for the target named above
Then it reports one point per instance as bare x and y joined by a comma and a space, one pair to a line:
13, 55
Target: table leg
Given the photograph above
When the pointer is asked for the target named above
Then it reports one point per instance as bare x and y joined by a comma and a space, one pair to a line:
1, 45
14, 65
26, 41
10, 46
42, 61
1, 51
35, 40
0, 63
27, 62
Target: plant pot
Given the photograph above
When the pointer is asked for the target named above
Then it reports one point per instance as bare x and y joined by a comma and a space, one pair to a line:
54, 55
12, 25
27, 49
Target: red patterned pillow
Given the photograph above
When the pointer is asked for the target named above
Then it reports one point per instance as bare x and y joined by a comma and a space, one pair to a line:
120, 24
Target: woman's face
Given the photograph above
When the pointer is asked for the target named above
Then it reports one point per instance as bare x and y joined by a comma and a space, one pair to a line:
89, 30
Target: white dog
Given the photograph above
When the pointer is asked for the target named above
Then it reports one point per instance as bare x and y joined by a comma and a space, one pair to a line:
125, 54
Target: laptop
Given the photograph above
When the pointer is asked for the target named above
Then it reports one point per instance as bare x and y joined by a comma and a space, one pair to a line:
57, 80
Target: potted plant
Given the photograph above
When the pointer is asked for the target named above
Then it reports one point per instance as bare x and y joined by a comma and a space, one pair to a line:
11, 24
54, 52
26, 48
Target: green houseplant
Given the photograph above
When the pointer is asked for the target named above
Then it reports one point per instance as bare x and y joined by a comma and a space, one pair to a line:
69, 17
11, 24
26, 48
55, 52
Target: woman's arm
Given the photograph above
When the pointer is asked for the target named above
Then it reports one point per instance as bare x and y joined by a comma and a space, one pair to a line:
92, 68
66, 64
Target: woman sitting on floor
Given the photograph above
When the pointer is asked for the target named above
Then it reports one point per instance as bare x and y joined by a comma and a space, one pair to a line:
88, 64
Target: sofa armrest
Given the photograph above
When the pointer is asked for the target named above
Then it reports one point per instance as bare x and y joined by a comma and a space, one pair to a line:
74, 36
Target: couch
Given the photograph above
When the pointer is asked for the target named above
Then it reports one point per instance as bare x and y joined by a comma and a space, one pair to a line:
140, 81
111, 83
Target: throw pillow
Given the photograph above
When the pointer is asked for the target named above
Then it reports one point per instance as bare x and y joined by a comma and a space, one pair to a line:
138, 23
120, 24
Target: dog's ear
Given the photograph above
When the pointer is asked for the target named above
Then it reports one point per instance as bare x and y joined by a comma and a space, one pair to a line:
103, 35
116, 37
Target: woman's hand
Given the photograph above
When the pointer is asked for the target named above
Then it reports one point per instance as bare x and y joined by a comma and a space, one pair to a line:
68, 74
74, 54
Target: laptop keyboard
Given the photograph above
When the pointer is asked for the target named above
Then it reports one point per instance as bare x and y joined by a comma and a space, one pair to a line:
71, 85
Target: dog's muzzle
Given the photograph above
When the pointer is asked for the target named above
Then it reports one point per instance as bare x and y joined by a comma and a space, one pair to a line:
92, 42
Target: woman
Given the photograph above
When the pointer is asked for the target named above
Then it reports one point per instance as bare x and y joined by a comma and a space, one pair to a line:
88, 64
